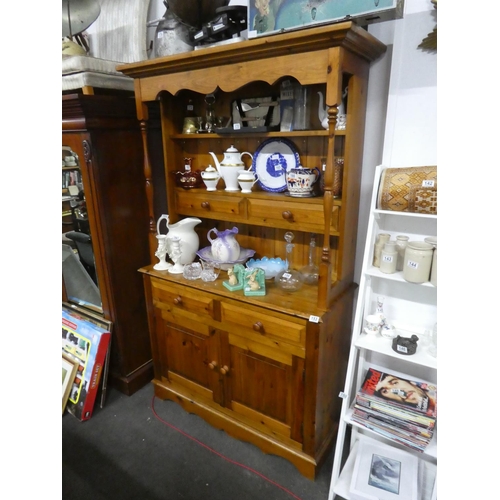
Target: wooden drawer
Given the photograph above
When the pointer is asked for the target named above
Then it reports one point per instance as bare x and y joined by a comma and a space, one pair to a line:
211, 205
182, 301
306, 215
260, 322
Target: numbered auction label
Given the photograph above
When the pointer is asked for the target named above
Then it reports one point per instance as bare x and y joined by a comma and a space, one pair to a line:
428, 183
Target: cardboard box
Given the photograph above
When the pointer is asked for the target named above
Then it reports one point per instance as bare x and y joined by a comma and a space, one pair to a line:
266, 17
87, 343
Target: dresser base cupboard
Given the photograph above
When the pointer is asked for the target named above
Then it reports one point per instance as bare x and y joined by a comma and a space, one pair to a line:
266, 369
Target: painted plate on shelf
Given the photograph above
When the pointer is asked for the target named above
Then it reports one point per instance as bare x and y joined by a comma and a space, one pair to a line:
272, 160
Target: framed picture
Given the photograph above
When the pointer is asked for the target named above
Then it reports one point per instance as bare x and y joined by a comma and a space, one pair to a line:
266, 17
382, 472
69, 369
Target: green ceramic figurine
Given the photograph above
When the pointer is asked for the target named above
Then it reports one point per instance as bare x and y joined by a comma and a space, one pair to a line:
235, 278
255, 282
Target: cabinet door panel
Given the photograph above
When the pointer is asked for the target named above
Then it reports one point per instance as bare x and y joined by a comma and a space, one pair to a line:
193, 355
267, 391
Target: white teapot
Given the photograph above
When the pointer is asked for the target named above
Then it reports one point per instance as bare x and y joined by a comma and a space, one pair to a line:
229, 167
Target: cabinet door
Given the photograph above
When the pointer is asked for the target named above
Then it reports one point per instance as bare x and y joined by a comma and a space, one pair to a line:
189, 353
263, 385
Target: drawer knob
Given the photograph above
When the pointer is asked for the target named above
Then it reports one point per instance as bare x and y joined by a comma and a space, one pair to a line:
205, 204
212, 365
258, 327
178, 300
287, 215
224, 370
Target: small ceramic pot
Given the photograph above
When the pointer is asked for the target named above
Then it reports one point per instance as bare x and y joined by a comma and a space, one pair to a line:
300, 181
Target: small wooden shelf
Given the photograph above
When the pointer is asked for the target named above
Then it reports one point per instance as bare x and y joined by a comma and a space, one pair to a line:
296, 133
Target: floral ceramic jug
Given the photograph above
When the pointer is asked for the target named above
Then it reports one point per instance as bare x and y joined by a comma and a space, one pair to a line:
225, 248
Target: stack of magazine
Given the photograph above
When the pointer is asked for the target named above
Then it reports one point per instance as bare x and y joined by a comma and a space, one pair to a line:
398, 408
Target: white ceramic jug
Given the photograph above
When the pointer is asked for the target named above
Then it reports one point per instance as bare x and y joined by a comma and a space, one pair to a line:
189, 240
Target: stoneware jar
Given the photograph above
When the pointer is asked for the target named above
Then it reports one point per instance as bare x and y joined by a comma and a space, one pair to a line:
401, 242
382, 239
389, 258
418, 261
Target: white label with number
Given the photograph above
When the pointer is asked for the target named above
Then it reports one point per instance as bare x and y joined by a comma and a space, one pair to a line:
428, 183
314, 319
412, 264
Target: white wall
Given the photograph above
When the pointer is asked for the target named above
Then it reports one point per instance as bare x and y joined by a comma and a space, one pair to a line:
402, 102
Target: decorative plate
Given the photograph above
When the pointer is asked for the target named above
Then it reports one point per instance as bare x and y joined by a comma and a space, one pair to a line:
206, 254
272, 160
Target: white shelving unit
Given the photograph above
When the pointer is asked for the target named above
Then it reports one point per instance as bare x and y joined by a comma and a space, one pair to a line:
412, 309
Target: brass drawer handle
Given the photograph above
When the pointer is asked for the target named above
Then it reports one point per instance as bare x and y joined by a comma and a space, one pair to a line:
224, 370
259, 327
205, 204
178, 300
287, 215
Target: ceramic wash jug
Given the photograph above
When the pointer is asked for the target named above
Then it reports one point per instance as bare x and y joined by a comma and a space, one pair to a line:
184, 230
229, 167
225, 248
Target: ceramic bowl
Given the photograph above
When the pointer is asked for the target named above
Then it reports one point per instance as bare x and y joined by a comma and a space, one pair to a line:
206, 255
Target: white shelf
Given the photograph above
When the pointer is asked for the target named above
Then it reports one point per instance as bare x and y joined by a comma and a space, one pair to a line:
397, 276
430, 451
411, 308
382, 345
415, 215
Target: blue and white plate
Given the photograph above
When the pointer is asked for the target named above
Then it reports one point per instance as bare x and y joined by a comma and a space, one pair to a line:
272, 160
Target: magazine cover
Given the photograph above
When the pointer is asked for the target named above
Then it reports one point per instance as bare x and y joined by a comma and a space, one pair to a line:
418, 396
86, 343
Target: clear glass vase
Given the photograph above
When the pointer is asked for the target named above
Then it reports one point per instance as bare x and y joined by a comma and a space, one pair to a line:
289, 280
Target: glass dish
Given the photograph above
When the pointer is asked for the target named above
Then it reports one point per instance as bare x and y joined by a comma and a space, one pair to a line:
271, 266
192, 271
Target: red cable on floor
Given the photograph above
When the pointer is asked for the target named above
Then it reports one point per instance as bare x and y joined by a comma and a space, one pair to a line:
220, 454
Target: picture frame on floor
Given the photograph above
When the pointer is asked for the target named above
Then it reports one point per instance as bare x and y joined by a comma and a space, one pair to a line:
69, 369
383, 472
